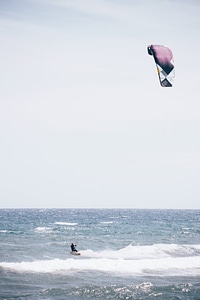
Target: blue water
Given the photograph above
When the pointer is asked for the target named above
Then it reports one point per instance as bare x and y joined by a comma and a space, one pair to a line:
125, 254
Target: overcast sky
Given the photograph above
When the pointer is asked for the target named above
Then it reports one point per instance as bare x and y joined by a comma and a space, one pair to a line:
83, 119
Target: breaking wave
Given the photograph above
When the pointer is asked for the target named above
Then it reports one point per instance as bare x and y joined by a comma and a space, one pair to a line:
158, 259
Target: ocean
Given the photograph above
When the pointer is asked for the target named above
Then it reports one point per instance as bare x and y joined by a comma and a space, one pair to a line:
125, 254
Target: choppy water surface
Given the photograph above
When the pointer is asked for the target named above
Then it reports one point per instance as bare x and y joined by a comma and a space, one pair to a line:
125, 254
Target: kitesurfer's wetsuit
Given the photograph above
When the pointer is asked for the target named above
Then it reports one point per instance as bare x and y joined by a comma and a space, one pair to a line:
73, 248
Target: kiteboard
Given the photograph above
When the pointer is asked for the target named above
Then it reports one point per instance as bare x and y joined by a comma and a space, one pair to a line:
75, 253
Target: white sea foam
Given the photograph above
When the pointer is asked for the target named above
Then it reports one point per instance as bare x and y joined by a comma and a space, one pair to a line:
182, 266
146, 252
42, 229
108, 222
66, 223
155, 263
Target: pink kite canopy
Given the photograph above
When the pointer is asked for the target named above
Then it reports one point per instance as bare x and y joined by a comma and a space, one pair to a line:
164, 62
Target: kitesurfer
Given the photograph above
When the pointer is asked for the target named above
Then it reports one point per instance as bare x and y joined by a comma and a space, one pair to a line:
73, 247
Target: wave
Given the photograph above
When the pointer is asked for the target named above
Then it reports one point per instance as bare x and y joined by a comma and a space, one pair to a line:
42, 229
107, 222
157, 262
66, 223
182, 266
12, 231
146, 252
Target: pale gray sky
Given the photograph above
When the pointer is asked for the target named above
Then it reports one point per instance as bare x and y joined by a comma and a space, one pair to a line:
83, 119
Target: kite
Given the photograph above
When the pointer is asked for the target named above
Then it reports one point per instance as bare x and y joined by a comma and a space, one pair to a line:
164, 62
